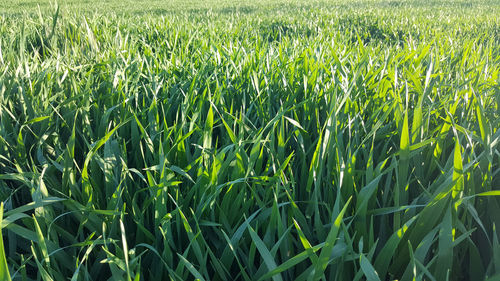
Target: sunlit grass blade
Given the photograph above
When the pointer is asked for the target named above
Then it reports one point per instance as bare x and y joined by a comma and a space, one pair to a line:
4, 269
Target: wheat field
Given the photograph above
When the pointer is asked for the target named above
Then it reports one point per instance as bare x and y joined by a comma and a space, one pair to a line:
263, 140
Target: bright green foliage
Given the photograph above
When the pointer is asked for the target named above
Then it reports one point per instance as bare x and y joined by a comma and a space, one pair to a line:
257, 140
4, 269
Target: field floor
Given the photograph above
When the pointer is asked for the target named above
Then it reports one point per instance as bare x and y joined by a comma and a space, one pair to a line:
250, 140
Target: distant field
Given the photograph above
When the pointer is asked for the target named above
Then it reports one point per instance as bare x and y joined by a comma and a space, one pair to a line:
250, 140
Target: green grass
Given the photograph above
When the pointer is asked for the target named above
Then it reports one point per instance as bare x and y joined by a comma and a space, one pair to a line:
266, 140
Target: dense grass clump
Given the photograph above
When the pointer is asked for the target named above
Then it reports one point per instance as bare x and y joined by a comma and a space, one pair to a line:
324, 140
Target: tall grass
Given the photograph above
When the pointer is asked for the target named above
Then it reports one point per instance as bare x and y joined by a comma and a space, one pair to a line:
283, 141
